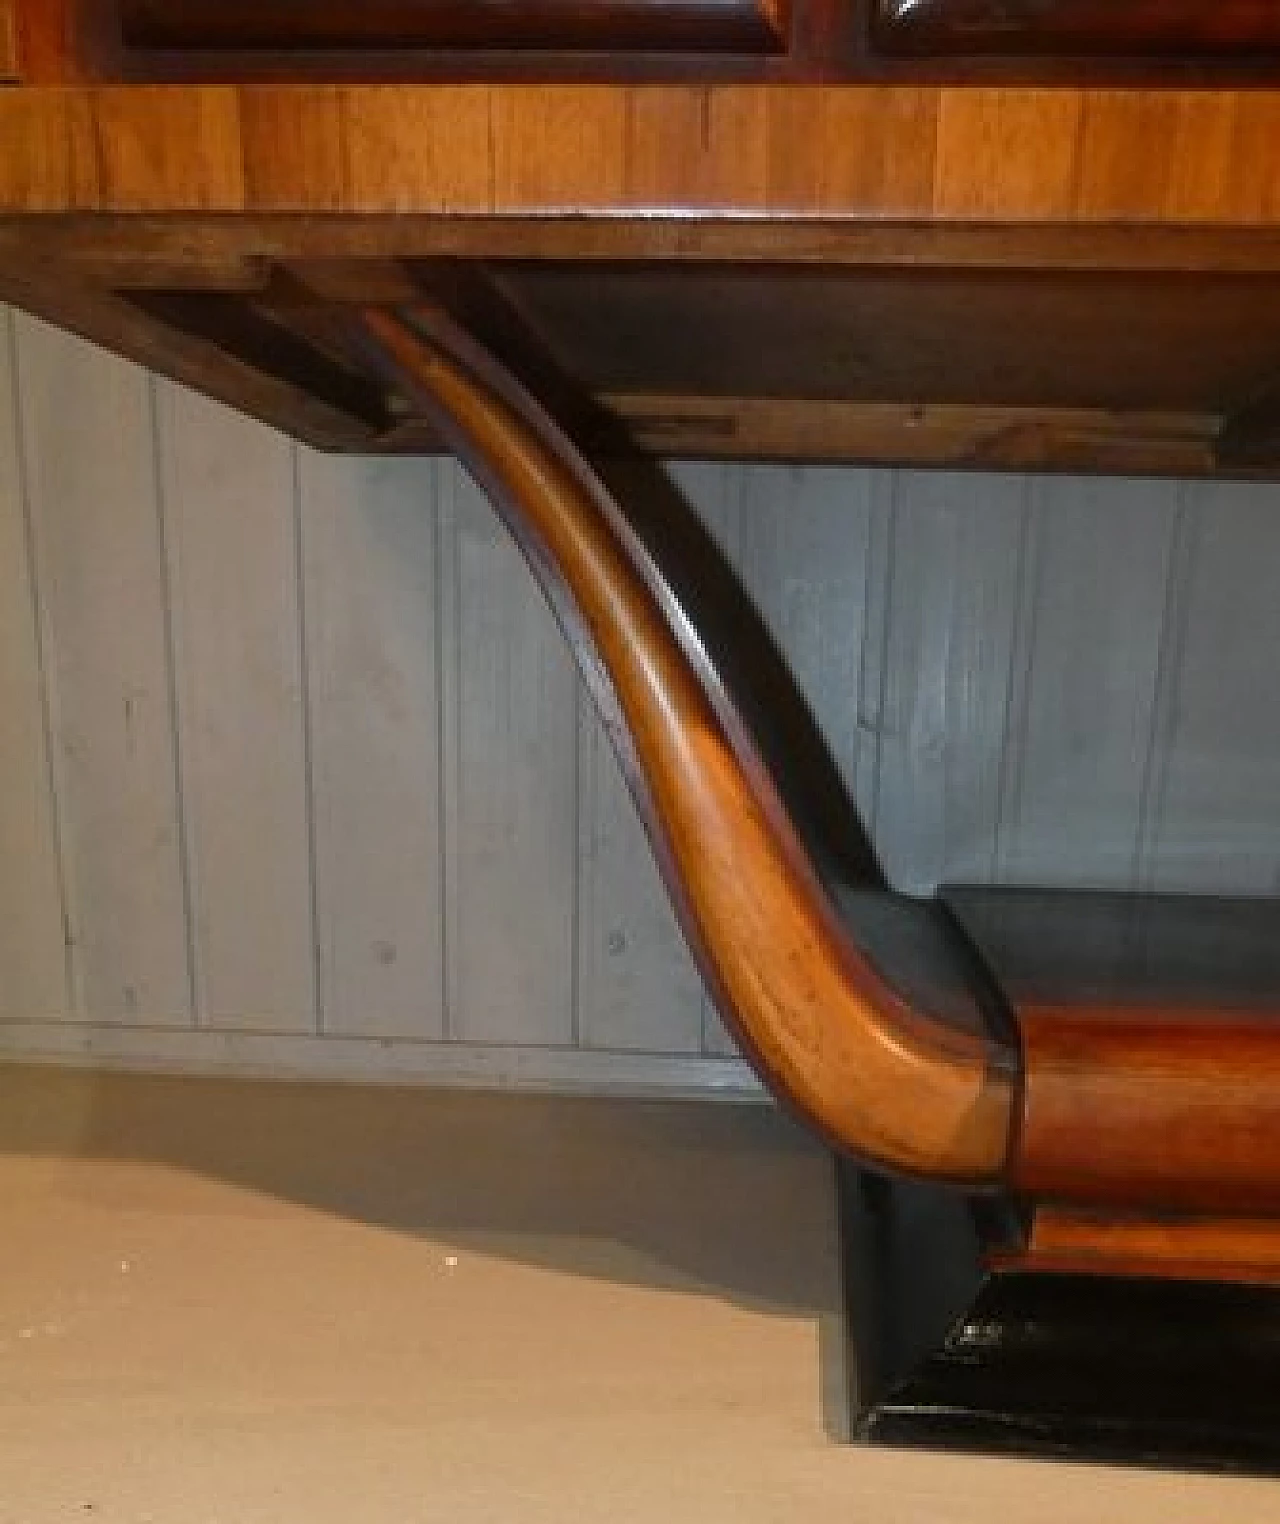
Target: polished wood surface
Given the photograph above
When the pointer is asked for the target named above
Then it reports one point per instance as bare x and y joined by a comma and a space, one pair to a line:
1136, 27
827, 1033
1075, 1241
1015, 339
975, 277
1006, 156
1176, 1108
1139, 43
9, 60
1150, 1028
731, 25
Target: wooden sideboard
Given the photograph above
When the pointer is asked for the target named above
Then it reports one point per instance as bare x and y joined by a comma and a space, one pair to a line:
543, 277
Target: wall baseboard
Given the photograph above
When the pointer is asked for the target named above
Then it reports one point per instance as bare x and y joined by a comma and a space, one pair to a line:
371, 1060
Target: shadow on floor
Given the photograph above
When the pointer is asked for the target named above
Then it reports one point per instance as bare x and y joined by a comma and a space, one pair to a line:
731, 1201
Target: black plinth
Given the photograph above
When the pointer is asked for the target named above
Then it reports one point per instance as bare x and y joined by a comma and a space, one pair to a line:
1084, 1367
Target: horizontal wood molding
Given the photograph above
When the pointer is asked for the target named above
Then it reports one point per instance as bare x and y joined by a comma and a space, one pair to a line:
1160, 1107
647, 25
1074, 1241
1101, 28
963, 156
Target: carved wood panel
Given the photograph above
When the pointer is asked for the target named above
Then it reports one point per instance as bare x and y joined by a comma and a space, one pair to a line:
753, 26
1097, 28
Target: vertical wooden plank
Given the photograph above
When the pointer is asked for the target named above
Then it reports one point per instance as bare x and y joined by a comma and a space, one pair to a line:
557, 149
954, 576
1007, 153
1099, 557
1198, 171
46, 151
165, 150
33, 965
293, 148
369, 531
450, 167
89, 449
10, 64
706, 149
638, 986
230, 518
510, 717
1217, 825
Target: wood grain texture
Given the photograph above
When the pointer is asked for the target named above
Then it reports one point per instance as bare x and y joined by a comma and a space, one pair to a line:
1073, 1241
826, 1032
1139, 1105
10, 56
718, 495
681, 25
1009, 155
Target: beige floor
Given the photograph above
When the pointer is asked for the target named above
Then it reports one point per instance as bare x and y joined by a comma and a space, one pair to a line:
256, 1304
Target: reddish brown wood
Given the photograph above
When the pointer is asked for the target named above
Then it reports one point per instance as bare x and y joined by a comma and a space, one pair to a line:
10, 66
1156, 1107
687, 25
853, 1053
1076, 1241
1195, 28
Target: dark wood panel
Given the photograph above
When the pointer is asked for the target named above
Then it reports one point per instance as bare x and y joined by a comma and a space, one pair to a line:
1015, 338
1097, 28
1095, 948
660, 25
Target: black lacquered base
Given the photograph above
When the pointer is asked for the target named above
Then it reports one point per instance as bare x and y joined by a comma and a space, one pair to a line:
1172, 1373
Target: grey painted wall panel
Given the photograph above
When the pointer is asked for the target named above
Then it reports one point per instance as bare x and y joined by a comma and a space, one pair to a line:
33, 962
1097, 570
1218, 808
89, 449
230, 519
511, 742
370, 531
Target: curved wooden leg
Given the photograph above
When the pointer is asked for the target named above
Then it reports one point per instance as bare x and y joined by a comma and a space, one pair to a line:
874, 1072
1125, 1111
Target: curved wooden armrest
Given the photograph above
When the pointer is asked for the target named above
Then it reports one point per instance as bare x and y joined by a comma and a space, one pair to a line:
880, 1077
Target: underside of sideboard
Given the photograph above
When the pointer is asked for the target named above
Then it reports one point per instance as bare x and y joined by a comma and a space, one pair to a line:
780, 341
